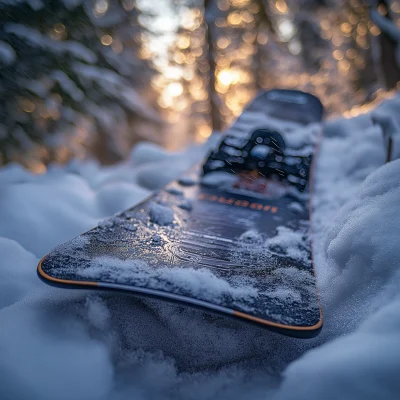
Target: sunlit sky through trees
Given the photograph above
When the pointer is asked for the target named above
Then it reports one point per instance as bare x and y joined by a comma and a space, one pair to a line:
327, 50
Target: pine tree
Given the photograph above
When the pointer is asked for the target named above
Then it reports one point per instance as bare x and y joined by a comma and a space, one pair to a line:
70, 78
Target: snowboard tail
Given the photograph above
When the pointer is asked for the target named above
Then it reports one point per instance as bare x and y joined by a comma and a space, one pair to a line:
305, 332
237, 244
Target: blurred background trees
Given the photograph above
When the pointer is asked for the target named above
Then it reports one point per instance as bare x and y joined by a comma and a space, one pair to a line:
89, 78
71, 80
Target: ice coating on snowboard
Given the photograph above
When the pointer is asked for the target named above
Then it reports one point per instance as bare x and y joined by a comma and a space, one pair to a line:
214, 246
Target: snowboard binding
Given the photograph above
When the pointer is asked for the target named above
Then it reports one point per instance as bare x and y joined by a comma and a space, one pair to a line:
264, 153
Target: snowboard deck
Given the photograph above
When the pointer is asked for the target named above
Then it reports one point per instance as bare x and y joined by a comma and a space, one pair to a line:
211, 243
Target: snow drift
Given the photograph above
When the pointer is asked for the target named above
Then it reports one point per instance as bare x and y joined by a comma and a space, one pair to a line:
68, 344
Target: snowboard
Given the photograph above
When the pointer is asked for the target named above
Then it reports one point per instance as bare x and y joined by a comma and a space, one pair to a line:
231, 236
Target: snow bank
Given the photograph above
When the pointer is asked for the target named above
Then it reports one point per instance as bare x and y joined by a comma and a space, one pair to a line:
46, 357
68, 344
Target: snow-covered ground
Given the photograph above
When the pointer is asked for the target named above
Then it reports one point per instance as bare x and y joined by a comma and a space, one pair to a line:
66, 344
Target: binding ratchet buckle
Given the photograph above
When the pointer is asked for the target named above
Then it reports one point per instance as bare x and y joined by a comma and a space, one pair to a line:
264, 153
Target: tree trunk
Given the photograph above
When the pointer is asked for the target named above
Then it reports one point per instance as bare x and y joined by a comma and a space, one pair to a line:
263, 19
216, 122
387, 46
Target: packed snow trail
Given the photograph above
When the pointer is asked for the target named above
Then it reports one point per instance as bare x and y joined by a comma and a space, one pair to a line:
85, 345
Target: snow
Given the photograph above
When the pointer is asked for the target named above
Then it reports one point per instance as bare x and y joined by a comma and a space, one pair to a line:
97, 312
7, 54
251, 237
68, 344
390, 127
34, 38
289, 242
27, 361
71, 4
186, 204
68, 85
187, 181
114, 84
35, 86
201, 283
161, 215
36, 5
218, 179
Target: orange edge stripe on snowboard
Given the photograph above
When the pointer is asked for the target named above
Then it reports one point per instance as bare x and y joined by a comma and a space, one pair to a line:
50, 278
234, 312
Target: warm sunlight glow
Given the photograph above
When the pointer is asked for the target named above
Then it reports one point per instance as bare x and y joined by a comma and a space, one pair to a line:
174, 89
346, 27
281, 6
204, 131
337, 55
27, 105
240, 3
100, 7
59, 28
223, 42
226, 77
374, 30
106, 40
184, 42
223, 5
262, 38
286, 29
234, 18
